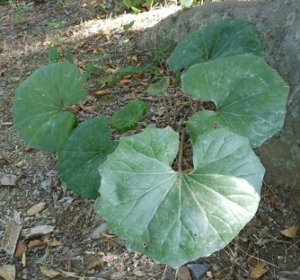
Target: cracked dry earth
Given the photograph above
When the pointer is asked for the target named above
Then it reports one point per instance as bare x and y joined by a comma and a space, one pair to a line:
79, 246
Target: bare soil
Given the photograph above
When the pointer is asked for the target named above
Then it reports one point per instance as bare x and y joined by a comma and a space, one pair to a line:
93, 31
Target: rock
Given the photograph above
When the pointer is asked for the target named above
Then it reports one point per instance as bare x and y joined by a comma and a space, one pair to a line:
278, 21
197, 270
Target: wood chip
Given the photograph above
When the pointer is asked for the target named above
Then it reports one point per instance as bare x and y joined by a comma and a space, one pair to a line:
291, 232
8, 272
36, 231
35, 209
8, 180
11, 235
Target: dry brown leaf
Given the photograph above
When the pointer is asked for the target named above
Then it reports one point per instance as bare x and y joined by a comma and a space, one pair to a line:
94, 263
258, 270
124, 82
101, 92
183, 273
35, 209
21, 249
290, 232
35, 243
53, 243
49, 272
8, 272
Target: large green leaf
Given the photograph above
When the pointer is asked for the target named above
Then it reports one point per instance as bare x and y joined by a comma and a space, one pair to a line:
80, 157
223, 38
127, 117
39, 109
175, 217
249, 95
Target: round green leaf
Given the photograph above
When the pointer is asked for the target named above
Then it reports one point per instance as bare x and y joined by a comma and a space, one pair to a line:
175, 217
127, 117
223, 38
39, 111
86, 148
249, 95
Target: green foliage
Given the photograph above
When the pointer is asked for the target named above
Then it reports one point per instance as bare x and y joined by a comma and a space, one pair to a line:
186, 3
135, 5
172, 216
179, 216
249, 95
223, 38
54, 55
127, 118
130, 70
160, 87
79, 159
40, 108
127, 26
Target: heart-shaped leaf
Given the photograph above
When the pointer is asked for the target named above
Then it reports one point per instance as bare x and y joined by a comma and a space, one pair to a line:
160, 87
79, 160
223, 38
175, 217
40, 107
127, 117
249, 95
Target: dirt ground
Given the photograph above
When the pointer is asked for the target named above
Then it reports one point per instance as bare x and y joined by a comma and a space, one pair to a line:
73, 250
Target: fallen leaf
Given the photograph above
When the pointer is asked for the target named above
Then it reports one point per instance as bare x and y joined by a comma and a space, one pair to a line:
101, 92
8, 180
35, 209
35, 243
21, 249
183, 273
36, 231
290, 232
49, 272
52, 243
258, 270
94, 263
8, 272
3, 159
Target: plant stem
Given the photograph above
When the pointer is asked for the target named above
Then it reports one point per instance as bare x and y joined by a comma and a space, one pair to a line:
180, 155
166, 109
